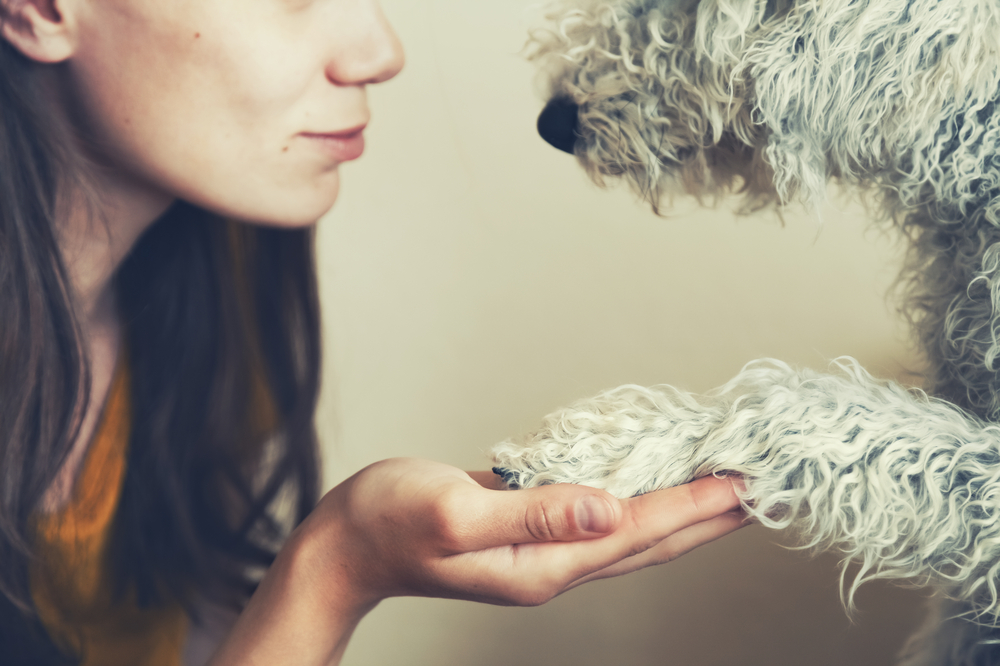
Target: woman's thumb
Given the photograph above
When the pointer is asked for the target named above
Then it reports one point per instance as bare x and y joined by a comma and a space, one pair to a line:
550, 513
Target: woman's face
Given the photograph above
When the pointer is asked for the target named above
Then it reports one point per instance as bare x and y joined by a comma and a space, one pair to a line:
230, 104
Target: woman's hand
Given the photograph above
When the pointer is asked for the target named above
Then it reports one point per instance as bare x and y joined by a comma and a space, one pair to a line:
415, 527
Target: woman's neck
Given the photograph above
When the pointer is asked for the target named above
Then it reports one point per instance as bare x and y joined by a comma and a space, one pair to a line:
97, 230
95, 236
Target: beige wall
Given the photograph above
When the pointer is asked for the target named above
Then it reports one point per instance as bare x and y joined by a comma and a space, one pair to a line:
473, 280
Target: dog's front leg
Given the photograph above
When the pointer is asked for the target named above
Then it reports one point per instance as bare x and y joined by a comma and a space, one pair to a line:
906, 485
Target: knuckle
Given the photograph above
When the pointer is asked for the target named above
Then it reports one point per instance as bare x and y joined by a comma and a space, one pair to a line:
691, 499
543, 522
640, 548
638, 523
445, 518
644, 536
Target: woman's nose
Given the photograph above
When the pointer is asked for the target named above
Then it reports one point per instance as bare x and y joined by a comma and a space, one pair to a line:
373, 53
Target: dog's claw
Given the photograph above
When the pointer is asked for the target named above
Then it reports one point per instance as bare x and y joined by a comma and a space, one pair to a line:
506, 475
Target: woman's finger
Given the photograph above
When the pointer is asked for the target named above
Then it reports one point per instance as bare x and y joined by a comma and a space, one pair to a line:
488, 519
664, 512
646, 522
672, 547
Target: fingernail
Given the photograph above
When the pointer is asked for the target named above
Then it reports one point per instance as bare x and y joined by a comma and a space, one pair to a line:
594, 514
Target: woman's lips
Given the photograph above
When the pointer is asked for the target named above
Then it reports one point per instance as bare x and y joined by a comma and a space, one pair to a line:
341, 146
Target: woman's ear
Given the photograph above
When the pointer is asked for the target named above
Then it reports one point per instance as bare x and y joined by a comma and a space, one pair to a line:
40, 29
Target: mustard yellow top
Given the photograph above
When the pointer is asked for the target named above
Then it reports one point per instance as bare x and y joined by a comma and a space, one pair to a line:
72, 584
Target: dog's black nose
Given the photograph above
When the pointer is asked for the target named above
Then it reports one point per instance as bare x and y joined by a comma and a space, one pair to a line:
558, 123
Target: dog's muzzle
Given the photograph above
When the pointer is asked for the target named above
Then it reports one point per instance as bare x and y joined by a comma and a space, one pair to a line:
558, 123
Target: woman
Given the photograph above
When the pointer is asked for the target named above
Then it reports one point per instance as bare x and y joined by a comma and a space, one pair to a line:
163, 164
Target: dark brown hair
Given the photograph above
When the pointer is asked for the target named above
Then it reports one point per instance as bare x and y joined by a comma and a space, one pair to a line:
221, 323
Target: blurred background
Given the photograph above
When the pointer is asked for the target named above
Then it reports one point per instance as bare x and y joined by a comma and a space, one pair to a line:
473, 280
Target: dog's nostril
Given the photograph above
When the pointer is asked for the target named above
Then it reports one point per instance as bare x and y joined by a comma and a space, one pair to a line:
558, 122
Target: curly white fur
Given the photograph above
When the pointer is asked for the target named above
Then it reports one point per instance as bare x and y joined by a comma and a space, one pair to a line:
894, 92
905, 484
771, 99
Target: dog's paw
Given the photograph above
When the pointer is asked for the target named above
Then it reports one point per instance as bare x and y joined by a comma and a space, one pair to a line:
628, 441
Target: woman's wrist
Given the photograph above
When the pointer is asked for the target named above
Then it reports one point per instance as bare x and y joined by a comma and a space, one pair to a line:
306, 607
319, 551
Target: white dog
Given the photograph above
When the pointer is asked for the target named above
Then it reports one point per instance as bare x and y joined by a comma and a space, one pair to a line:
771, 100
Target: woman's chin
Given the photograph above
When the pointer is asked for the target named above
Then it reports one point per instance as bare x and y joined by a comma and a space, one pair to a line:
289, 210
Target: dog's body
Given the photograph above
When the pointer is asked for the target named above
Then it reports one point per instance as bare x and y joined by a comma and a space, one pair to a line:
771, 100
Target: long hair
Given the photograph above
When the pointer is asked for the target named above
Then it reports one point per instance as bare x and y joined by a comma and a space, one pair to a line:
221, 324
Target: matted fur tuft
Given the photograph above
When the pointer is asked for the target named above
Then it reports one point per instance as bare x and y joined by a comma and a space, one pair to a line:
771, 100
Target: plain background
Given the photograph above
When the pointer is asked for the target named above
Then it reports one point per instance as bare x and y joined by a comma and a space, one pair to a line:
473, 280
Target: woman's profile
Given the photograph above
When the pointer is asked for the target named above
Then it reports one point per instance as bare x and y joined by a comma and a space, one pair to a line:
162, 167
